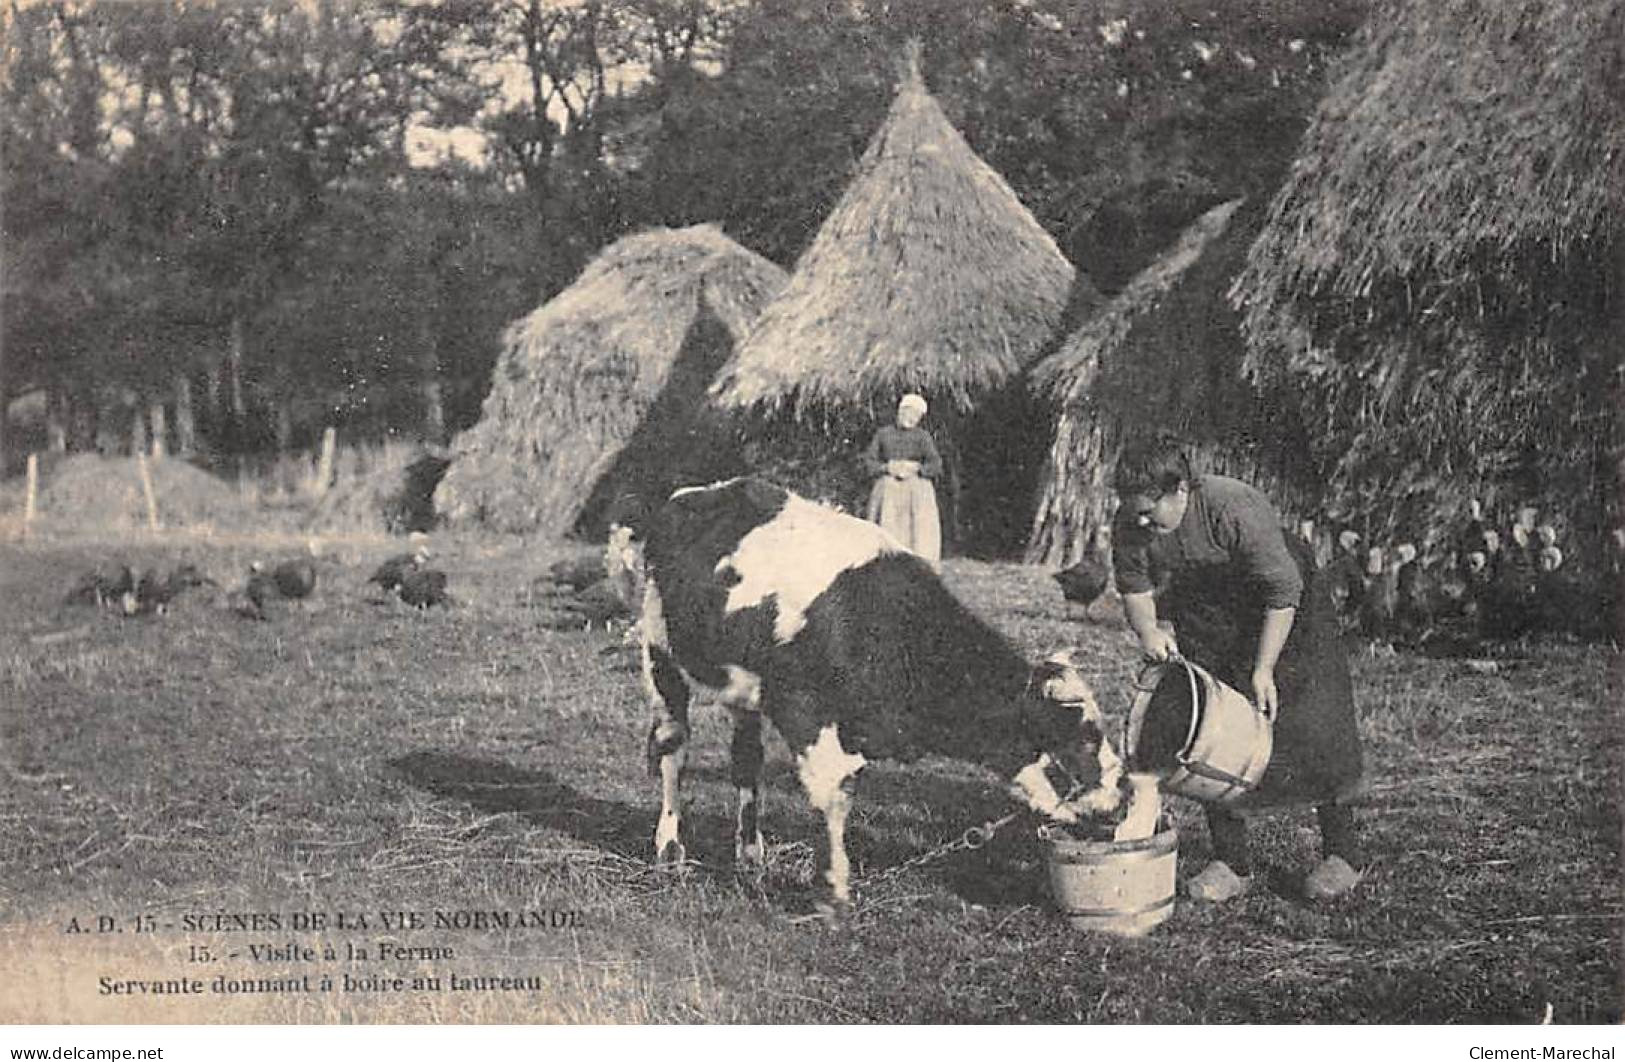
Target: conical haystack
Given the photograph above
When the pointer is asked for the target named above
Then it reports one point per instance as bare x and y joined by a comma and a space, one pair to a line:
1440, 275
1163, 355
579, 374
929, 276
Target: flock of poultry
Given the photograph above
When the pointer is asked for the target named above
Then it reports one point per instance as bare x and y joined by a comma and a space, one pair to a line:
151, 593
1478, 584
574, 594
1482, 585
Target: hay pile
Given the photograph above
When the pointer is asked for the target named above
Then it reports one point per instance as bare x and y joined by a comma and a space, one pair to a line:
929, 275
88, 493
393, 492
580, 374
1164, 354
1439, 278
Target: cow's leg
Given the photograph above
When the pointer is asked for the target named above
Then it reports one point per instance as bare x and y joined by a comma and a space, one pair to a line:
668, 693
829, 774
747, 776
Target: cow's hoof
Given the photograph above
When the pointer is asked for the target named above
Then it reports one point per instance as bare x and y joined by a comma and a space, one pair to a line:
1331, 879
672, 854
1216, 884
829, 913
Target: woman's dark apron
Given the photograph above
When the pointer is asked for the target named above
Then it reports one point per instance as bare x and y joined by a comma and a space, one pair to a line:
1216, 613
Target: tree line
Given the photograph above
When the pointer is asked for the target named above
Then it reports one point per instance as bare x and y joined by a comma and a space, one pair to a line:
223, 231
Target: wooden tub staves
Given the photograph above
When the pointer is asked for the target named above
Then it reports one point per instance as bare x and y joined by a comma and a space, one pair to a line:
1125, 888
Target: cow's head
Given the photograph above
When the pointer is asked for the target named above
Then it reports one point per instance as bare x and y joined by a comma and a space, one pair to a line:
1064, 724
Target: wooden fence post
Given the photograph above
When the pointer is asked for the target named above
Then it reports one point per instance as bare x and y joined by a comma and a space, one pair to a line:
33, 491
147, 489
324, 467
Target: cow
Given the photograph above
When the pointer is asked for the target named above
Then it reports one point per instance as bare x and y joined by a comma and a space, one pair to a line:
854, 649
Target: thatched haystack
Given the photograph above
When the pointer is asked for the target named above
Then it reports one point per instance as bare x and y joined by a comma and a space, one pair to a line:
579, 375
928, 276
1440, 276
1163, 355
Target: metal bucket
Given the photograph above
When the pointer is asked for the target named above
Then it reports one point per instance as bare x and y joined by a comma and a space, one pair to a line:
1228, 740
1125, 888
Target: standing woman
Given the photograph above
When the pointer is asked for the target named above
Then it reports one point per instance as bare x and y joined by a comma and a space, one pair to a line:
1248, 605
904, 460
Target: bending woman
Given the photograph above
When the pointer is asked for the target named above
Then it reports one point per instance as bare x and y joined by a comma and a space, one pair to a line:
1246, 602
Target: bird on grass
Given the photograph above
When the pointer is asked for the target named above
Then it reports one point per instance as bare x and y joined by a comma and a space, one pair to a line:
295, 579
597, 605
423, 588
1413, 605
1348, 578
251, 601
1086, 581
103, 586
390, 573
572, 574
1381, 603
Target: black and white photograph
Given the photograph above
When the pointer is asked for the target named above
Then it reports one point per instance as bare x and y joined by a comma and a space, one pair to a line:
828, 513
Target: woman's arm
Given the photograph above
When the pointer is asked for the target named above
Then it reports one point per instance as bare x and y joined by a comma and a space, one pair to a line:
1271, 639
1141, 610
872, 462
931, 466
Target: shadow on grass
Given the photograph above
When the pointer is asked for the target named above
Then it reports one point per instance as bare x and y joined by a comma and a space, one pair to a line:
1008, 872
544, 801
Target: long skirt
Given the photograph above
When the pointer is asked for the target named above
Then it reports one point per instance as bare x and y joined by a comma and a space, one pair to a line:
907, 509
1216, 618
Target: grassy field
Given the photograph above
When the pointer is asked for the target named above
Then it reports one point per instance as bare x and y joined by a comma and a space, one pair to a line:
355, 756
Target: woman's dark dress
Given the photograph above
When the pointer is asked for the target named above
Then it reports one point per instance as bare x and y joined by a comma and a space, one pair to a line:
1215, 575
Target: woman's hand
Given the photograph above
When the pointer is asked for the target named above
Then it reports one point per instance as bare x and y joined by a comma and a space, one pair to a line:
1158, 644
1264, 694
902, 468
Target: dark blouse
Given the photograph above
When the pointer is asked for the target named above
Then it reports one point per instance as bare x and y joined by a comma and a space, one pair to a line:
892, 443
1229, 524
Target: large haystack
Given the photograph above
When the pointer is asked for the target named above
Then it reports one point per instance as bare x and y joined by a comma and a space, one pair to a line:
1164, 355
928, 276
581, 372
1440, 275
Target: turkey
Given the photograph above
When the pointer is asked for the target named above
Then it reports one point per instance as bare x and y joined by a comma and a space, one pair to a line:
103, 586
1381, 603
1347, 579
251, 600
1086, 581
390, 573
1413, 601
573, 574
295, 579
423, 588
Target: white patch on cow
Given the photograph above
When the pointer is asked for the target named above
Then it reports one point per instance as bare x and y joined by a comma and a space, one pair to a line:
743, 691
666, 830
795, 556
823, 769
824, 766
653, 624
1032, 785
1107, 795
1144, 809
